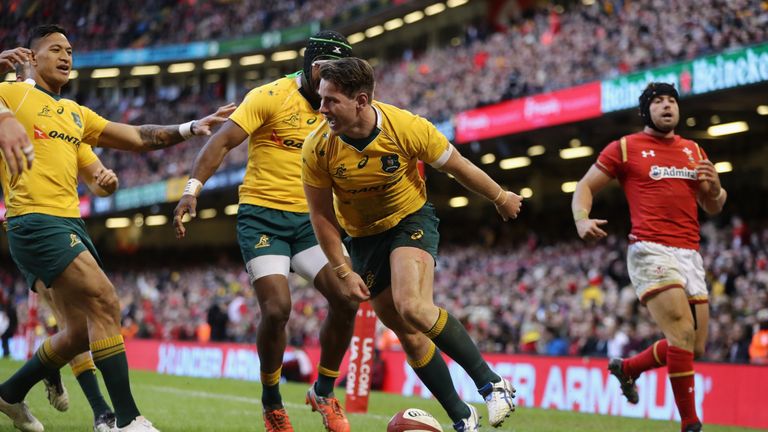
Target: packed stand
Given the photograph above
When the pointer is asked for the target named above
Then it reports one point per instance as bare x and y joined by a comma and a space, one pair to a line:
116, 24
543, 50
565, 299
552, 48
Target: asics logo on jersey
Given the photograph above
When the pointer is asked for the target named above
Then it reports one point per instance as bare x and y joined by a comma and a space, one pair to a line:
263, 242
417, 235
650, 153
661, 172
60, 110
74, 240
363, 162
45, 112
312, 121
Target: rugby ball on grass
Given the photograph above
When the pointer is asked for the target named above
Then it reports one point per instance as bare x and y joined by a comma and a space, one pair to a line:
413, 420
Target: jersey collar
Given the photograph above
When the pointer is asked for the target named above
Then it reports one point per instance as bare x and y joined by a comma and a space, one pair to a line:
361, 143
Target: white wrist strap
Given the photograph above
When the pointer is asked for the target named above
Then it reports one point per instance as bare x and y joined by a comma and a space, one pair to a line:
193, 187
185, 129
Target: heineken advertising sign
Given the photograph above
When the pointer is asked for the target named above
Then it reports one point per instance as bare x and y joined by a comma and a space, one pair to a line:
716, 72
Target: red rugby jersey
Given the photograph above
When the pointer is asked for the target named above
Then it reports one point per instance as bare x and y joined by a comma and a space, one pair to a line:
658, 176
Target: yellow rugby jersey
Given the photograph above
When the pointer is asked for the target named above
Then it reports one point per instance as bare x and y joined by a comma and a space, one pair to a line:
375, 181
61, 131
278, 119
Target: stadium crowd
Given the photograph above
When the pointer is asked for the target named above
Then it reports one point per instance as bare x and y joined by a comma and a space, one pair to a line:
555, 48
545, 50
93, 26
561, 299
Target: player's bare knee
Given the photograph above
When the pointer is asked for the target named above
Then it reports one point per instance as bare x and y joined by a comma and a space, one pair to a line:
104, 306
73, 342
684, 337
343, 308
275, 311
413, 312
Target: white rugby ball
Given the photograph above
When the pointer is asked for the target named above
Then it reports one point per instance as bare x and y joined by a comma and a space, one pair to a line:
413, 420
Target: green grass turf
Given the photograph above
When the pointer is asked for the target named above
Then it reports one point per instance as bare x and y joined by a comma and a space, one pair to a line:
181, 404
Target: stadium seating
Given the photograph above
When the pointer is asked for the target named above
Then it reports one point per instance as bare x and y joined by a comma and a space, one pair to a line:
561, 299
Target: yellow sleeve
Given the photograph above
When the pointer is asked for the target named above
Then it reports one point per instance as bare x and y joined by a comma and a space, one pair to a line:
313, 154
93, 126
85, 155
256, 108
6, 94
428, 144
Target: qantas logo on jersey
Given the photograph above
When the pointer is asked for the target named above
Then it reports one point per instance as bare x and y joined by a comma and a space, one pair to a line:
39, 134
288, 143
377, 188
660, 172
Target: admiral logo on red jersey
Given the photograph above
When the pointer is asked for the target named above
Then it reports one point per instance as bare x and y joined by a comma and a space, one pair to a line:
661, 172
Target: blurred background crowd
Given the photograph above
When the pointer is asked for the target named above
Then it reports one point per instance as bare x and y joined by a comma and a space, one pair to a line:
558, 299
537, 47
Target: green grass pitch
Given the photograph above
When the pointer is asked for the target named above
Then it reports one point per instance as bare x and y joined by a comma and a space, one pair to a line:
181, 404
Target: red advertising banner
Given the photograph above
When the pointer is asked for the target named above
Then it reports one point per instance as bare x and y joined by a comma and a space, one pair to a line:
361, 360
533, 112
725, 394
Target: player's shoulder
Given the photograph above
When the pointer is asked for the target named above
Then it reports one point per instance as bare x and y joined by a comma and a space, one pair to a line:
397, 119
687, 142
8, 87
320, 134
391, 111
273, 90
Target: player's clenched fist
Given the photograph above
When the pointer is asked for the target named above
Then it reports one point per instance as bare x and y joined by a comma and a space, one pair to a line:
187, 205
17, 151
508, 205
107, 180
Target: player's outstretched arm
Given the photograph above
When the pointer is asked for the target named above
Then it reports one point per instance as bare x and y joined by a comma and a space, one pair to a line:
144, 138
100, 180
592, 182
326, 228
476, 180
206, 163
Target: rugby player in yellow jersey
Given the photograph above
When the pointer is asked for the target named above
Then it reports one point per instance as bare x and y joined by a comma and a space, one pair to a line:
366, 153
273, 227
47, 238
101, 182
